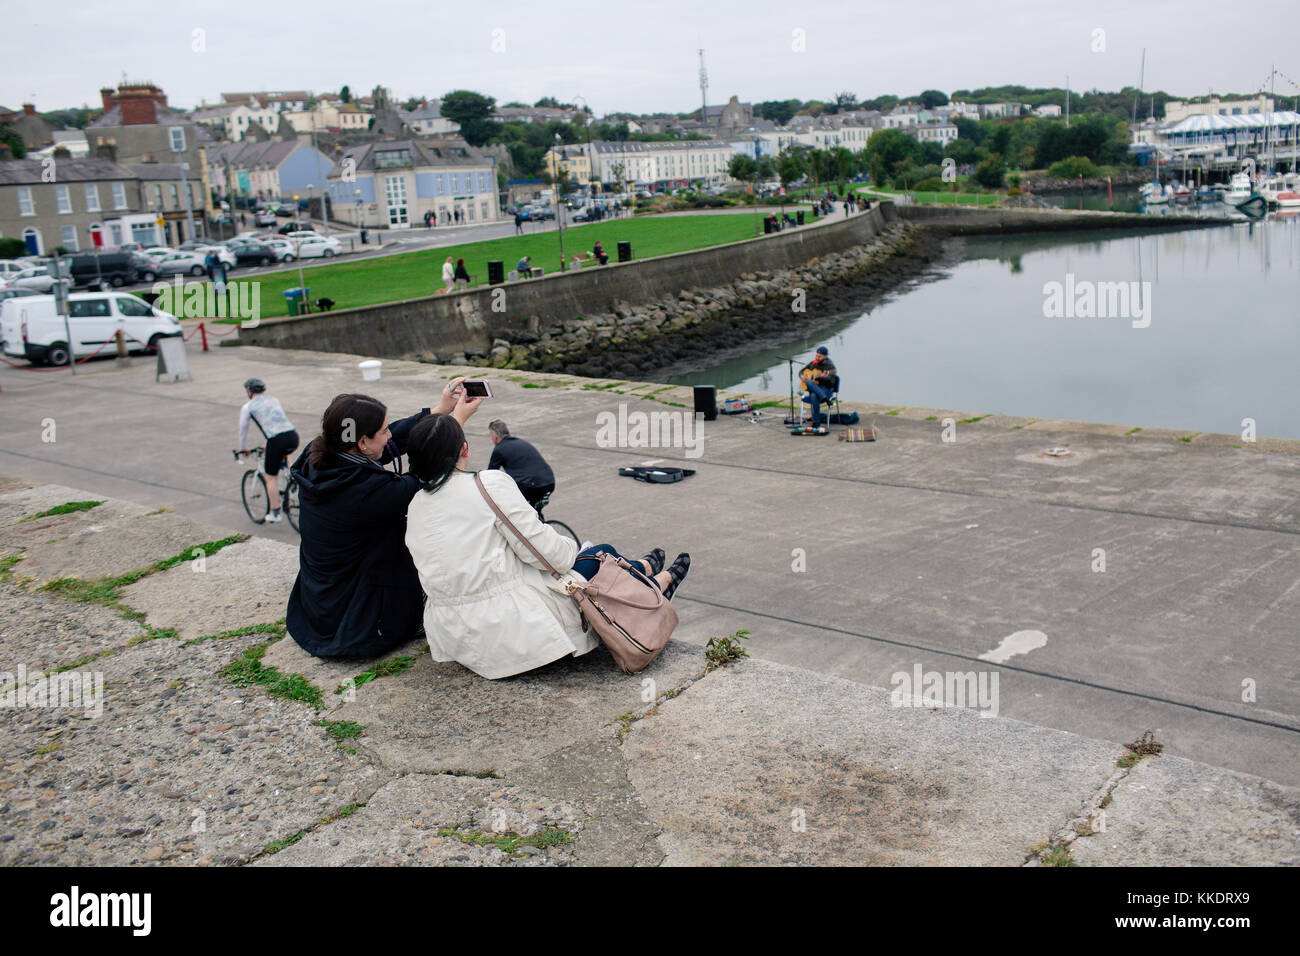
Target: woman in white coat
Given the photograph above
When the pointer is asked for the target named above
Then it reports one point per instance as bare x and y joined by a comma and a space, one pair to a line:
448, 275
490, 603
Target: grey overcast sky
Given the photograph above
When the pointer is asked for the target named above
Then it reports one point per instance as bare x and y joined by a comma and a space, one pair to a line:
639, 57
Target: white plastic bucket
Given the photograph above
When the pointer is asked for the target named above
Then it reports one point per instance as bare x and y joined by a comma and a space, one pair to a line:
370, 369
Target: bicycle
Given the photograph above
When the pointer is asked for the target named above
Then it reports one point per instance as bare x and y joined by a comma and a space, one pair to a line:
559, 526
257, 500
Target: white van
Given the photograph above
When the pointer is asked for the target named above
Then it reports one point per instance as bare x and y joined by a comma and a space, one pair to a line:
31, 327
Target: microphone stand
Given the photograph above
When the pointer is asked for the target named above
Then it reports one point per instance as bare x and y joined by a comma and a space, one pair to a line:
794, 418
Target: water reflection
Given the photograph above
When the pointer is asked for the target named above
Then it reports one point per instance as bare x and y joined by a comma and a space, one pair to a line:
1223, 342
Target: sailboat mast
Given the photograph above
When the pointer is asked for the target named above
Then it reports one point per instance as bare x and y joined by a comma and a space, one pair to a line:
1142, 75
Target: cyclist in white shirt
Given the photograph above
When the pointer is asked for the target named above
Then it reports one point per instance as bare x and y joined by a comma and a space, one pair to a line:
267, 414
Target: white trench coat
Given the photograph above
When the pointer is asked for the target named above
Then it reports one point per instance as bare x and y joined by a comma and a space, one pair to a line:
490, 604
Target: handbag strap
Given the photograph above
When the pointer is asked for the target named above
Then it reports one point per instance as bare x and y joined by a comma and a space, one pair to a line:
509, 524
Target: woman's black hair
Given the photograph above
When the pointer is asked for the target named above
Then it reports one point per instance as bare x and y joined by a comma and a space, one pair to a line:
347, 419
433, 448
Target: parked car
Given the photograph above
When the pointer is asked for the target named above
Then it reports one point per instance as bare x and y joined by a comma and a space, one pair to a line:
301, 234
130, 247
250, 253
542, 213
10, 267
283, 249
265, 218
107, 269
157, 252
31, 327
297, 225
203, 248
582, 215
317, 247
182, 263
38, 280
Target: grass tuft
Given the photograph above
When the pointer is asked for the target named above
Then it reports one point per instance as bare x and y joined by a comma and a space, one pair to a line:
66, 508
509, 842
720, 651
248, 670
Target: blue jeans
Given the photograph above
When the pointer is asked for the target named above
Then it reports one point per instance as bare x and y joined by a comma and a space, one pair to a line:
588, 564
816, 395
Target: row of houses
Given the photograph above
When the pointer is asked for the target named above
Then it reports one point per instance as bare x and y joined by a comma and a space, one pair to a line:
80, 204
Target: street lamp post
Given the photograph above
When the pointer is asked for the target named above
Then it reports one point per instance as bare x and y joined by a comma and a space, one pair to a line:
297, 254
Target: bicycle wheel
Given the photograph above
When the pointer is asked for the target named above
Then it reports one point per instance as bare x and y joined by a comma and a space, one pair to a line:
256, 501
563, 528
290, 504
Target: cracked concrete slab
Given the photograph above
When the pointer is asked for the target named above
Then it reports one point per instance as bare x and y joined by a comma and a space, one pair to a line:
440, 717
760, 764
400, 823
37, 631
102, 550
329, 673
593, 774
20, 502
28, 534
1173, 812
180, 767
241, 585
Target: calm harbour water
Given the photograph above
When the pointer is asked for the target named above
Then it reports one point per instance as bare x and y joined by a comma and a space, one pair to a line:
1223, 342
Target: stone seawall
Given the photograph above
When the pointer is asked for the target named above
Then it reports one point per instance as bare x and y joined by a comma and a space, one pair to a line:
469, 322
673, 313
967, 220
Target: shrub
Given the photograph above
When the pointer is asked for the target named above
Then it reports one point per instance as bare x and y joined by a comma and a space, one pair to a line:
11, 248
1072, 167
989, 172
932, 185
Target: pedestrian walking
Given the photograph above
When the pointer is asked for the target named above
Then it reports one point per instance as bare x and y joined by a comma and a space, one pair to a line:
461, 274
448, 275
519, 223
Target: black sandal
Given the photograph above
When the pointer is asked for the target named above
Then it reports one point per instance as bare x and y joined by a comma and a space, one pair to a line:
678, 574
655, 561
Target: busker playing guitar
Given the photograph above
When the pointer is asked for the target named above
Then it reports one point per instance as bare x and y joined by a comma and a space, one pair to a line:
819, 378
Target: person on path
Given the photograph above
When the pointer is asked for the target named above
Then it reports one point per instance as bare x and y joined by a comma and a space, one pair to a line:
461, 275
448, 275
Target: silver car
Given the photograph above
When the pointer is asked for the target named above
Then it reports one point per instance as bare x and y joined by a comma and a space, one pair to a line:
180, 263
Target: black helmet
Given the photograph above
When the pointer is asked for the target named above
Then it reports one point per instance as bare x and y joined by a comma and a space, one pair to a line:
255, 385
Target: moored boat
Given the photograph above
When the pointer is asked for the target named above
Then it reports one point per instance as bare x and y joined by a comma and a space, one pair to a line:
1282, 189
1239, 190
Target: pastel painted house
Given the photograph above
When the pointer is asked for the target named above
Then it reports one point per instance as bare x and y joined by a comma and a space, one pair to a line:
392, 184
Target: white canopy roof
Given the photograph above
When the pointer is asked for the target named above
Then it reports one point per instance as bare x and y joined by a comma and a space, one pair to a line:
1215, 123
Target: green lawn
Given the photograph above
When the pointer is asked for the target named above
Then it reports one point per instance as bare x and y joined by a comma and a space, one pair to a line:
413, 274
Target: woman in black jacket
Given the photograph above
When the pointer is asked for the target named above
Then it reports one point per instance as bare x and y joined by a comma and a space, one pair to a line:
357, 593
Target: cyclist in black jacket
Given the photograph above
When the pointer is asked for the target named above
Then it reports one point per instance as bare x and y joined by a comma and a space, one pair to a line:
522, 462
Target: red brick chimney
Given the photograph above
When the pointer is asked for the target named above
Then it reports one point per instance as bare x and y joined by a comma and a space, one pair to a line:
29, 109
138, 102
137, 110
